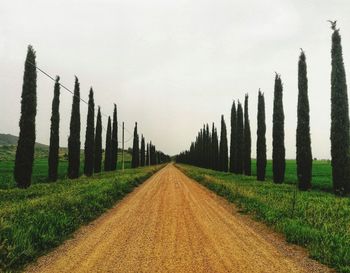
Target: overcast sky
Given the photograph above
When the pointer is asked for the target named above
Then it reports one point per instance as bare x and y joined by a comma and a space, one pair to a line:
172, 65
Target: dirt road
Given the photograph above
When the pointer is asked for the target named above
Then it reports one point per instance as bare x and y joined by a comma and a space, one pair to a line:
172, 224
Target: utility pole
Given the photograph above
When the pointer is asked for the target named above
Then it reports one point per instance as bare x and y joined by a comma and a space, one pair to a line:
123, 148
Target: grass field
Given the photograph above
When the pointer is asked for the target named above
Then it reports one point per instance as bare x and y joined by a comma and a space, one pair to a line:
35, 220
317, 220
40, 167
321, 173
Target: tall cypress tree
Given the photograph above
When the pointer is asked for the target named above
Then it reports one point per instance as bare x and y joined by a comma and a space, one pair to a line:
89, 136
240, 138
114, 149
147, 155
215, 148
98, 143
25, 147
247, 140
108, 150
278, 150
261, 140
223, 153
135, 149
74, 137
233, 142
303, 140
142, 160
54, 133
340, 118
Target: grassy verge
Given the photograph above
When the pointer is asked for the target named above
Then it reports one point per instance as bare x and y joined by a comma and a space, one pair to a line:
316, 220
35, 220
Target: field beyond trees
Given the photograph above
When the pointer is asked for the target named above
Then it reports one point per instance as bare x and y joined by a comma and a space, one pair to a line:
314, 219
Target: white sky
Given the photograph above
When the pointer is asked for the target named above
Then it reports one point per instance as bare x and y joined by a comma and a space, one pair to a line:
172, 65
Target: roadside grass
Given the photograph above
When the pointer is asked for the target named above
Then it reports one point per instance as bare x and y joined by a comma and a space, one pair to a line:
40, 166
317, 220
37, 219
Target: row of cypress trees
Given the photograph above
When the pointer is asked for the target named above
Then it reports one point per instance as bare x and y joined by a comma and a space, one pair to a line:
240, 130
145, 156
93, 136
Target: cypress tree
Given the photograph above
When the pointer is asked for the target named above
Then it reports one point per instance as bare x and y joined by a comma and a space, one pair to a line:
239, 138
303, 140
215, 148
278, 150
135, 149
247, 140
89, 136
233, 142
223, 153
26, 141
108, 150
147, 155
142, 161
114, 149
54, 133
340, 118
261, 140
98, 143
74, 137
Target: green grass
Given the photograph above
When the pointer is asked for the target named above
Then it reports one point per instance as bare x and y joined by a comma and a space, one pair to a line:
317, 220
35, 220
321, 173
40, 166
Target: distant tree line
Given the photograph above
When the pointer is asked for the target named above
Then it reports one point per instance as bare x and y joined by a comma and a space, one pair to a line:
205, 152
147, 155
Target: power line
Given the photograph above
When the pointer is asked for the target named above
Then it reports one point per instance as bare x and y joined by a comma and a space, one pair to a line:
84, 101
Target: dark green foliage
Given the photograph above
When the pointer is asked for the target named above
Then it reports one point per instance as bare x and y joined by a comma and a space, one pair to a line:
74, 137
25, 148
98, 143
278, 150
233, 142
114, 149
223, 149
142, 155
89, 136
247, 140
148, 162
240, 138
108, 150
54, 133
135, 150
261, 140
303, 140
215, 148
340, 119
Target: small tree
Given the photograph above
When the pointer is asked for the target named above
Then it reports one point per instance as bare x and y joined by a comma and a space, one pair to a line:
89, 136
98, 143
74, 137
247, 140
261, 140
303, 140
135, 161
233, 142
108, 151
240, 138
54, 133
223, 153
142, 161
278, 150
340, 118
114, 149
26, 141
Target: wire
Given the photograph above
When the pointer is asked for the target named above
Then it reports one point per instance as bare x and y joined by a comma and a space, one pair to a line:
84, 101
